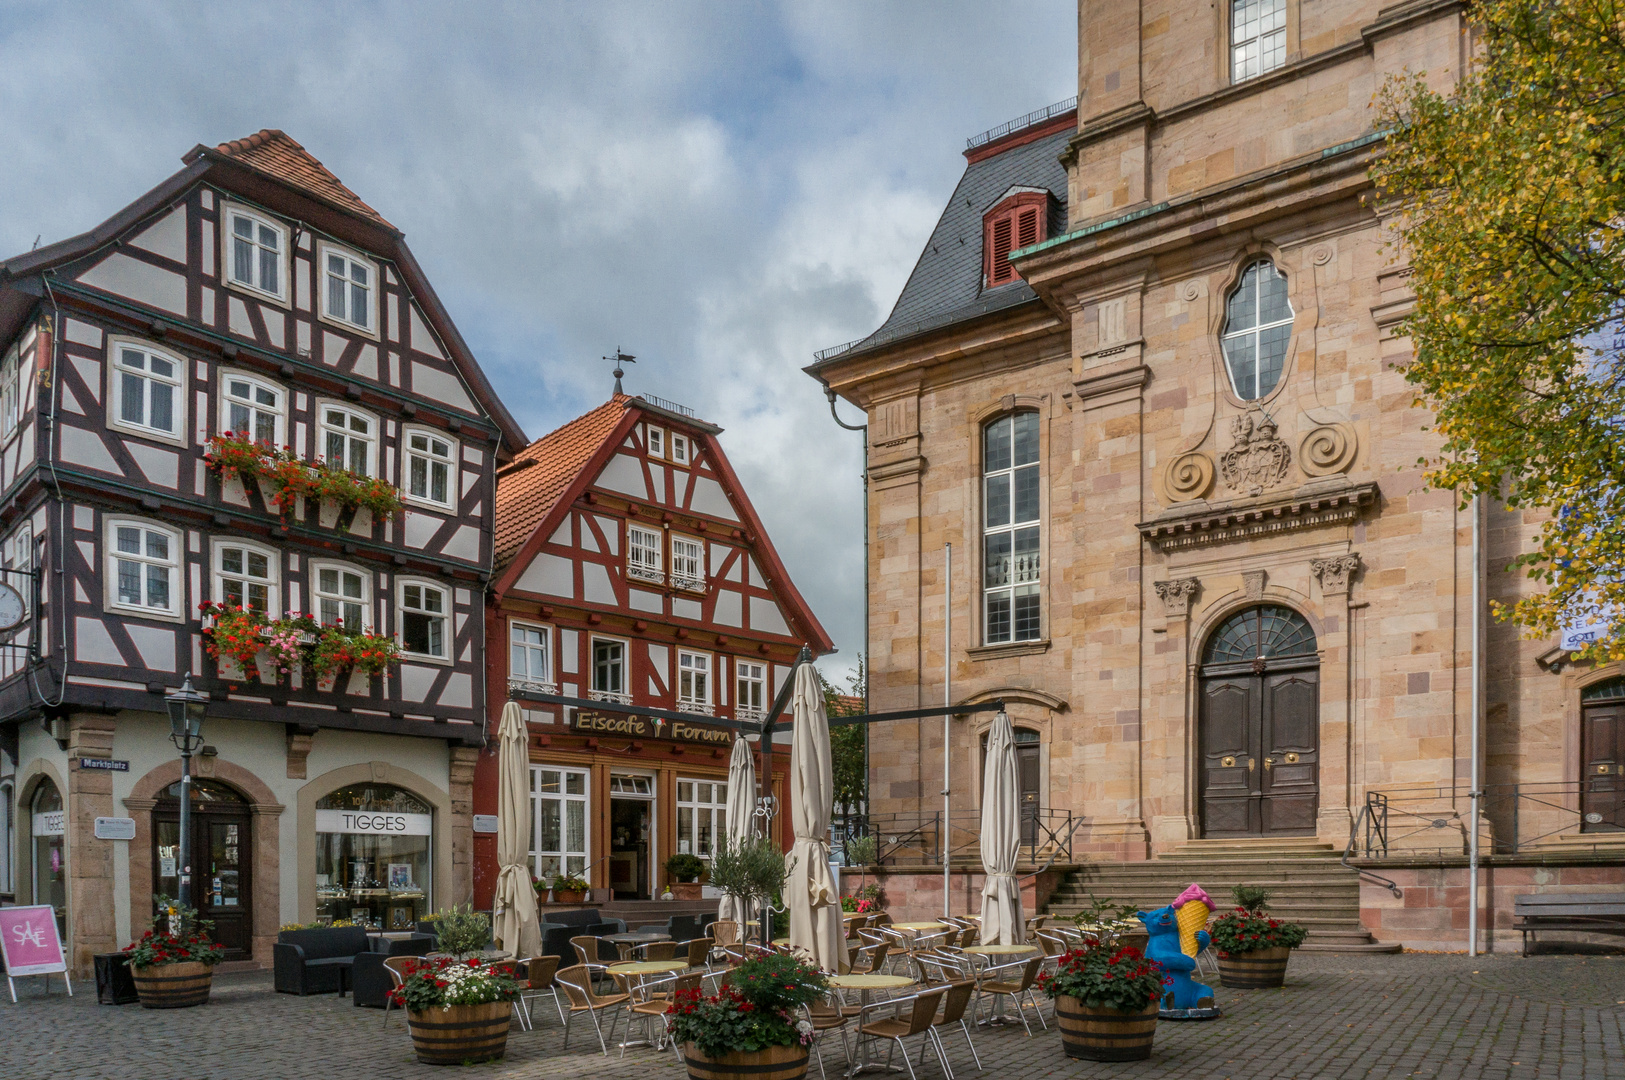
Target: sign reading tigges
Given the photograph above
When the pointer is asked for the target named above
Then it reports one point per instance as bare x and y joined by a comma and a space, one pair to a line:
650, 727
374, 822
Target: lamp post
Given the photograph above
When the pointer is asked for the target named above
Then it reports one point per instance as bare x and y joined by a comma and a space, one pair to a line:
186, 710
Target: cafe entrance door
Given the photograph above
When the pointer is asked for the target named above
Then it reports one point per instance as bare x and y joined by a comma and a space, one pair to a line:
221, 887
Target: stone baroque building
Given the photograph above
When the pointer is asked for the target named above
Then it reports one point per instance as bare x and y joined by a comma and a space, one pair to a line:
1145, 381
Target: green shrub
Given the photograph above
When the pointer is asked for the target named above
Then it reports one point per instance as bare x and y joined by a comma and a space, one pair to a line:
684, 867
462, 931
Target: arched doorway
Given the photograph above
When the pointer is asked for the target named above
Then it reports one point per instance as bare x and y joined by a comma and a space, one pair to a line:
47, 828
1026, 742
1602, 757
222, 889
1260, 726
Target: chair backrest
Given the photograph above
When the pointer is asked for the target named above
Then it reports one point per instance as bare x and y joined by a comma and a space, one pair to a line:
683, 927
699, 951
1050, 944
924, 1012
660, 950
880, 919
953, 1003
397, 967
576, 982
1029, 976
327, 942
542, 970
586, 949
972, 932
874, 954
725, 932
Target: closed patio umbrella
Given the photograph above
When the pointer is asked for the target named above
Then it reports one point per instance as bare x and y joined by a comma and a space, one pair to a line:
737, 822
1001, 839
514, 924
810, 893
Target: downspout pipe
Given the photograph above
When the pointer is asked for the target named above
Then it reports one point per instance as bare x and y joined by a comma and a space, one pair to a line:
867, 661
1476, 765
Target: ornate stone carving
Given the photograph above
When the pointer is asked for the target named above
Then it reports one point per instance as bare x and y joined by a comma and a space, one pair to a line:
1322, 254
1334, 574
1252, 583
1188, 476
1328, 449
1176, 595
1256, 460
1192, 290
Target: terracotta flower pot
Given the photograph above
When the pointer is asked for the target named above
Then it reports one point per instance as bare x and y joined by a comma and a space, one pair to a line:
453, 1034
685, 890
568, 896
1099, 1034
1261, 969
173, 986
771, 1063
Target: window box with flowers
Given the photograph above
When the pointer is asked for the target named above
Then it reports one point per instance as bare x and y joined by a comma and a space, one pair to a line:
296, 642
1106, 1002
286, 479
458, 1010
751, 1025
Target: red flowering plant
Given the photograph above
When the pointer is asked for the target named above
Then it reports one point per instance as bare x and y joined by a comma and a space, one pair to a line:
427, 984
1244, 931
175, 936
235, 632
1103, 977
337, 649
754, 1008
291, 478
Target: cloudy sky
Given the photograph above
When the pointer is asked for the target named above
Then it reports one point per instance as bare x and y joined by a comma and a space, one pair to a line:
718, 188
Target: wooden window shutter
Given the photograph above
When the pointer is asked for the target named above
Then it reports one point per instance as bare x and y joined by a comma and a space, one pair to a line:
1027, 230
1001, 271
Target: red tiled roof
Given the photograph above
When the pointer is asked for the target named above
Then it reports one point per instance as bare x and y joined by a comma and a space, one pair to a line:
276, 155
532, 483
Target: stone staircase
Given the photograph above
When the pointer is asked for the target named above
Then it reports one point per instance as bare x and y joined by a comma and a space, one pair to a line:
1310, 886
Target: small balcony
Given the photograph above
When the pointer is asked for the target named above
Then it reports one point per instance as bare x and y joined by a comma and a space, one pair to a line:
531, 686
613, 696
644, 573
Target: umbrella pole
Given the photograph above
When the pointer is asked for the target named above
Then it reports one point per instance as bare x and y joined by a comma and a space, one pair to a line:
947, 702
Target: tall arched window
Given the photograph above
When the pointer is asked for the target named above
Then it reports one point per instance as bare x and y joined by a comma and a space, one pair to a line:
1266, 632
1257, 329
1010, 541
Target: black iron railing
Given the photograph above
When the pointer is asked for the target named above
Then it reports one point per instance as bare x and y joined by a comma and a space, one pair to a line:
1516, 818
917, 838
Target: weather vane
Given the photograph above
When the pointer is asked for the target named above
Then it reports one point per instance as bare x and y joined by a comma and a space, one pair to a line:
618, 359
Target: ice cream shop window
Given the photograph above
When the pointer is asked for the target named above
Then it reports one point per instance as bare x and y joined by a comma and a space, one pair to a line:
373, 844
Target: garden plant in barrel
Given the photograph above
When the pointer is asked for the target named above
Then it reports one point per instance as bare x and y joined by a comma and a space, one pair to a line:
751, 1025
173, 962
1253, 948
458, 1010
1106, 1002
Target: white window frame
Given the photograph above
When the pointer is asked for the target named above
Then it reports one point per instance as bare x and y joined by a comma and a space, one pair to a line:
318, 594
679, 449
279, 412
374, 438
545, 682
750, 673
174, 562
352, 258
651, 563
11, 394
563, 797
453, 475
1254, 334
1262, 51
622, 696
656, 439
696, 679
716, 811
447, 645
228, 245
218, 573
1010, 528
681, 577
19, 555
115, 390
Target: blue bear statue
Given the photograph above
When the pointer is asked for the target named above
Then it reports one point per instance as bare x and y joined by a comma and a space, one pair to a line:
1181, 991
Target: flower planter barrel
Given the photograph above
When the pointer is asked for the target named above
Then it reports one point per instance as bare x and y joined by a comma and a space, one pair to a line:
1097, 1034
1262, 969
173, 986
453, 1034
770, 1063
568, 896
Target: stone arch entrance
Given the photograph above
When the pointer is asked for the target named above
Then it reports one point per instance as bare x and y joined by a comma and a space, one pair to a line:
1259, 729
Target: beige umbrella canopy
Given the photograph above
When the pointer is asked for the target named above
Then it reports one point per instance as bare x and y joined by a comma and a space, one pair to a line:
514, 908
810, 892
1001, 839
737, 823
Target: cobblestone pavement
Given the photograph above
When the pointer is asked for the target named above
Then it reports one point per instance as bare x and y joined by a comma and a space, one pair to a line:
1413, 1015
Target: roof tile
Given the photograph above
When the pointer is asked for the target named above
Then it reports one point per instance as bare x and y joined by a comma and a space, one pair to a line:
275, 154
538, 476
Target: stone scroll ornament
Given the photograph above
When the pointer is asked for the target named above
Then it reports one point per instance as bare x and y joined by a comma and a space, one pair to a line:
1256, 460
1171, 928
1188, 477
1328, 449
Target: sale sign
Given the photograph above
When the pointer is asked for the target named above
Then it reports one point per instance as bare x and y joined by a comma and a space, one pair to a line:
29, 941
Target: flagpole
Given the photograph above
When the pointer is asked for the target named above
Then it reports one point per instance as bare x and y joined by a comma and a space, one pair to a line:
947, 703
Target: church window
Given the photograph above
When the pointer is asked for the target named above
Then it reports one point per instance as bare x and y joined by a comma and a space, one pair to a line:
1257, 329
1010, 530
1257, 37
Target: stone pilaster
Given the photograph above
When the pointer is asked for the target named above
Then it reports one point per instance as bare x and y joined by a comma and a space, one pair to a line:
460, 788
91, 927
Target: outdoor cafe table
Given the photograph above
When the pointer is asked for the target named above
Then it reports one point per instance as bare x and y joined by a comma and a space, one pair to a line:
627, 942
865, 984
919, 926
635, 972
988, 952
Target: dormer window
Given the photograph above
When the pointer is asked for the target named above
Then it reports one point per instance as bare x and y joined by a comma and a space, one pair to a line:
679, 449
347, 294
1019, 220
657, 441
257, 246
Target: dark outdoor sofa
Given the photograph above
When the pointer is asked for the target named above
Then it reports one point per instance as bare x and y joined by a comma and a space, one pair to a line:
680, 928
559, 927
370, 981
316, 961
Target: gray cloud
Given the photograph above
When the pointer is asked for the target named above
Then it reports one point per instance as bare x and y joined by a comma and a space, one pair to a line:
718, 188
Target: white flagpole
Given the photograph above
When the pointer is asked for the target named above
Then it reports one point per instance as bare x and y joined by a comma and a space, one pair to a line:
947, 703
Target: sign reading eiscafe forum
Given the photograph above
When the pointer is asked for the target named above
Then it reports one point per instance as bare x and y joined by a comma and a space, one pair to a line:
632, 726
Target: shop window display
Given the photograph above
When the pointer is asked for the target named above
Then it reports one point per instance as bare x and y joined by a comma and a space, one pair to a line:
48, 827
373, 846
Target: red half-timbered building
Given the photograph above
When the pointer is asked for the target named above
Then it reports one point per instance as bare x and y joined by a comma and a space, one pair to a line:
250, 292
631, 569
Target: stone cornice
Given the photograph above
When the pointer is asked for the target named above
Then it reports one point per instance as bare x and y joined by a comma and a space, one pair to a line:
1139, 114
1199, 524
1098, 389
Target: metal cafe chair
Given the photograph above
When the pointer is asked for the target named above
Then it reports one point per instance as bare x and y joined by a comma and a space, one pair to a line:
577, 982
396, 966
918, 1020
1014, 989
538, 980
648, 1003
825, 1016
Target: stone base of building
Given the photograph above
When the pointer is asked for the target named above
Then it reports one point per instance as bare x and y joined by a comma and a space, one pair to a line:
914, 893
1433, 912
1105, 840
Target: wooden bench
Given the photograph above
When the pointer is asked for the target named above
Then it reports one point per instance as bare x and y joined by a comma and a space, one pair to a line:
1591, 913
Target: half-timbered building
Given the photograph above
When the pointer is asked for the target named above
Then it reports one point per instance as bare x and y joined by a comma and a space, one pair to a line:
632, 570
250, 293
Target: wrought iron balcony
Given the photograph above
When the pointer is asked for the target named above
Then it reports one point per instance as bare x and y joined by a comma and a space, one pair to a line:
644, 573
610, 695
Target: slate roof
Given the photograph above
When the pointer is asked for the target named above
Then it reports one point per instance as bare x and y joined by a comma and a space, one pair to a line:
946, 285
278, 156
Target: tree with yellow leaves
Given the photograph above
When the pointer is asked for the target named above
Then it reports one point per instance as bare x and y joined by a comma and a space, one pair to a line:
1512, 188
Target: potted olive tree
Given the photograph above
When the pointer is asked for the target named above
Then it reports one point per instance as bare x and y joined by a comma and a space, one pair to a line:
173, 963
752, 872
1106, 1002
684, 870
749, 1027
1253, 948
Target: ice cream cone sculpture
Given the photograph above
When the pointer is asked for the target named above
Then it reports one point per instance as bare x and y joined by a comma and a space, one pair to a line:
1191, 913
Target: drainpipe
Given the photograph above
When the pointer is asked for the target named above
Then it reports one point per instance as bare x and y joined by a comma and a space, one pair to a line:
867, 660
1476, 766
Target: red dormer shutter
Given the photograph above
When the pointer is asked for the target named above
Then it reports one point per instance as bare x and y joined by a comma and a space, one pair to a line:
1001, 270
1017, 222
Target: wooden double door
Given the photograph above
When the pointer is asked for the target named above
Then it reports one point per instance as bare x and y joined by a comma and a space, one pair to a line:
1260, 754
222, 885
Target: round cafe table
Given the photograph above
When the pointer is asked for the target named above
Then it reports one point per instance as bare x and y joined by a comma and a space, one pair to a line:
919, 926
633, 973
625, 943
865, 985
989, 952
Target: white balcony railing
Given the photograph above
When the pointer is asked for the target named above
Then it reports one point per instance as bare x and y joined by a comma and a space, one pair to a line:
688, 584
704, 708
610, 695
753, 715
532, 686
644, 573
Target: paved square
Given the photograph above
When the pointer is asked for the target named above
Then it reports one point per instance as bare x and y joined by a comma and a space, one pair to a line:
1340, 1016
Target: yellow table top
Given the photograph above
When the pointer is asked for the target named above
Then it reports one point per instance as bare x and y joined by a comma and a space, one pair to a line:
998, 950
870, 982
781, 941
919, 926
647, 967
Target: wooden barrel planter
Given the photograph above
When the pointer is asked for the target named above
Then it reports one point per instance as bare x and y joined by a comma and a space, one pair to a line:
173, 986
1262, 969
1095, 1034
771, 1063
453, 1034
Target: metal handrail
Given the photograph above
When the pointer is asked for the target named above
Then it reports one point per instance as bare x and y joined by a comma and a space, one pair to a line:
1364, 817
1523, 816
1037, 116
1044, 830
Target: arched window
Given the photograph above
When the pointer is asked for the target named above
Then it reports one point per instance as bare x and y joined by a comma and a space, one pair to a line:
1612, 690
1257, 329
373, 855
1010, 531
1266, 632
48, 829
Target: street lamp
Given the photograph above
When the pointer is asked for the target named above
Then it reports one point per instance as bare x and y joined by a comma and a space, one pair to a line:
186, 710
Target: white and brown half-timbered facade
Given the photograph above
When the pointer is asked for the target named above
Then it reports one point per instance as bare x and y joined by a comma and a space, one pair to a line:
632, 569
250, 295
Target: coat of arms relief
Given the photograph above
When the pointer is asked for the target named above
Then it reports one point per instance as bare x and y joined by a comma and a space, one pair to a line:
1257, 460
